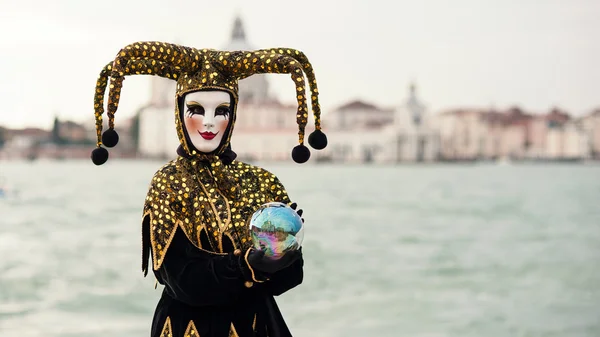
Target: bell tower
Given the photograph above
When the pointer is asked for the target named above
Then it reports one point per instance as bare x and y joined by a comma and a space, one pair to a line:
254, 89
414, 106
238, 32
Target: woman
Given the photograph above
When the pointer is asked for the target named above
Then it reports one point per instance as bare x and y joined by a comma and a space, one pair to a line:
197, 207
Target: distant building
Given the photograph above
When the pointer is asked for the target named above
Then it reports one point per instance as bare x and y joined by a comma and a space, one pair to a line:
355, 133
462, 134
590, 127
23, 143
360, 131
363, 132
416, 136
472, 134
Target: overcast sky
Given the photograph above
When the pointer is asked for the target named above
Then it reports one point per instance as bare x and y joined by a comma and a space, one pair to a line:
476, 53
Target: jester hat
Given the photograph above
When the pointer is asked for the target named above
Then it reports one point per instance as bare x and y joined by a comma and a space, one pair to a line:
204, 69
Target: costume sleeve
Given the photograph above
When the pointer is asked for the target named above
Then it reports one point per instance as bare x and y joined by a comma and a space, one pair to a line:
199, 278
286, 279
277, 190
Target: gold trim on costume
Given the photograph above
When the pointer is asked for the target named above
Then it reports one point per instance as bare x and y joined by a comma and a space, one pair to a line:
233, 332
250, 267
156, 259
215, 213
159, 254
230, 239
191, 330
166, 330
199, 229
195, 245
228, 220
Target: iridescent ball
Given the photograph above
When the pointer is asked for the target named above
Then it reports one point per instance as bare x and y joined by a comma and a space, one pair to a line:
276, 229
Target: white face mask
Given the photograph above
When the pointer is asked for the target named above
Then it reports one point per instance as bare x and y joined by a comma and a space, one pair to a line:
206, 117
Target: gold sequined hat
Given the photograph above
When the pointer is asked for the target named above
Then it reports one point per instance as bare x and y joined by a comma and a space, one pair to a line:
204, 69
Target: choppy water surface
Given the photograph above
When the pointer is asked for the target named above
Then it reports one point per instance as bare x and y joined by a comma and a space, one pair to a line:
390, 251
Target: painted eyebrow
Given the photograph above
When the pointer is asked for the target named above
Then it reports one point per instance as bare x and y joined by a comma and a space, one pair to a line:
192, 103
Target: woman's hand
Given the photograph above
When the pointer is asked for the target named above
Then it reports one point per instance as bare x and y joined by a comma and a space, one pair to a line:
294, 206
258, 261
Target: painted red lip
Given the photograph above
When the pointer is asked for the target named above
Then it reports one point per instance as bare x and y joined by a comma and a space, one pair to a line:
208, 135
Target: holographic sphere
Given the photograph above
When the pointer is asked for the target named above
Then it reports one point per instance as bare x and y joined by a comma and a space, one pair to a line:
276, 229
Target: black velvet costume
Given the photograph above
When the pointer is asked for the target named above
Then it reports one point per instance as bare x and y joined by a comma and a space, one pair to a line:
209, 285
207, 293
194, 224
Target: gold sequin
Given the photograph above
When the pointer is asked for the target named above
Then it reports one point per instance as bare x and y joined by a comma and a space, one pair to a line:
216, 208
221, 70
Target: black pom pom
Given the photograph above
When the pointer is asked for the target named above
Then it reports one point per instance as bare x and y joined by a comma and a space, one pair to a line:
300, 154
317, 140
110, 138
99, 155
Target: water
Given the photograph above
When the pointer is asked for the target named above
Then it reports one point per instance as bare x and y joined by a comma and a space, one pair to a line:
418, 251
